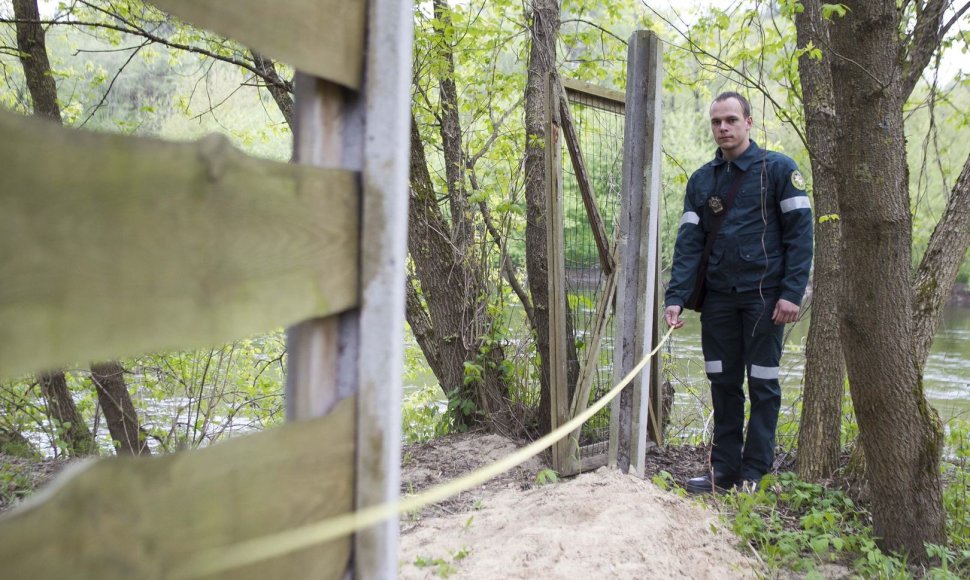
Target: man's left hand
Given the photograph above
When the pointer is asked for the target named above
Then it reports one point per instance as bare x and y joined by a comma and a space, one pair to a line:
785, 312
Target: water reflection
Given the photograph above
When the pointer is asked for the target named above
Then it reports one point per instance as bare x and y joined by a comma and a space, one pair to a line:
946, 378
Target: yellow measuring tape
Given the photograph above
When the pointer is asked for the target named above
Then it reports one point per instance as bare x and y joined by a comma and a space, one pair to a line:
249, 552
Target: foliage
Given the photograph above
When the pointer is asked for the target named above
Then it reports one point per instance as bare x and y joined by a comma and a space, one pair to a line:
423, 415
114, 81
799, 526
665, 481
546, 476
193, 398
22, 411
185, 399
441, 567
956, 491
15, 483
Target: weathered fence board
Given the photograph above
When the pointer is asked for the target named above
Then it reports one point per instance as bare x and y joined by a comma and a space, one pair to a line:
595, 95
558, 354
639, 223
588, 369
323, 352
324, 38
113, 245
143, 517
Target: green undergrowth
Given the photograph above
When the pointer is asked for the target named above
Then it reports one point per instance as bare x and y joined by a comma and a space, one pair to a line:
15, 483
443, 567
798, 526
423, 416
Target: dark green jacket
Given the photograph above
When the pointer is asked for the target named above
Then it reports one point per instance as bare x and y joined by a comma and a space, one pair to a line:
765, 241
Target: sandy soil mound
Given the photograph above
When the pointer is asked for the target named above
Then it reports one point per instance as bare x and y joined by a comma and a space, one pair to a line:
598, 525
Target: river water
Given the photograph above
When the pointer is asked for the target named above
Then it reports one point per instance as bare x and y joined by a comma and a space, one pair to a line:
946, 379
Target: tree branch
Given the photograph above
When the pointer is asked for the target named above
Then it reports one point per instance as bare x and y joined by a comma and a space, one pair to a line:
923, 42
282, 91
940, 265
154, 38
111, 85
695, 49
597, 27
507, 269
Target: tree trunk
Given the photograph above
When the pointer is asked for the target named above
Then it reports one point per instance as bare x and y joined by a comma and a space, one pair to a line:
450, 316
466, 368
900, 433
118, 409
450, 131
820, 426
37, 69
279, 89
940, 265
542, 60
43, 94
65, 418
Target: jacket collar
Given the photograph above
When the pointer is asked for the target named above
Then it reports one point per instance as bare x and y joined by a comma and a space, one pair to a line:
750, 155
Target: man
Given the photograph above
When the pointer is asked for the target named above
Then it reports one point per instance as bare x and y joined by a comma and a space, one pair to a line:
757, 270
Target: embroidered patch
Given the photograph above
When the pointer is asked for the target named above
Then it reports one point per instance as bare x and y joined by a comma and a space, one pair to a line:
798, 180
716, 204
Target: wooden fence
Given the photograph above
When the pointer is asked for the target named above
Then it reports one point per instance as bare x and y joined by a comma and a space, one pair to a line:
628, 263
113, 246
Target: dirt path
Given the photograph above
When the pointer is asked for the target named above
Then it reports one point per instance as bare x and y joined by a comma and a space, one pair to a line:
597, 525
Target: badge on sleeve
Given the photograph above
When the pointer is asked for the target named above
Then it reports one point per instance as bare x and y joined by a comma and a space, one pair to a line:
798, 180
716, 205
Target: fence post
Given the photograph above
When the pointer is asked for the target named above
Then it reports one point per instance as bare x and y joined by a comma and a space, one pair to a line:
322, 353
360, 352
558, 365
638, 240
387, 146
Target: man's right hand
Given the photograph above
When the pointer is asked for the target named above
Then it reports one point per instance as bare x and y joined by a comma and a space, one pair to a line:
672, 316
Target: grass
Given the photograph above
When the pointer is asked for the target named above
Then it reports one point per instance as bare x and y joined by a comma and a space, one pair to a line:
15, 483
798, 526
441, 567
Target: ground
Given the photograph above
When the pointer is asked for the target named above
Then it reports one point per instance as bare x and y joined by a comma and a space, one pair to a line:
601, 524
19, 477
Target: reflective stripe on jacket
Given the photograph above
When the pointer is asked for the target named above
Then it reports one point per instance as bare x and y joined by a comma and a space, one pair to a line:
766, 239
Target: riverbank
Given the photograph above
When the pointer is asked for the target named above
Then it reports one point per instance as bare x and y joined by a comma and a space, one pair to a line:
21, 477
529, 523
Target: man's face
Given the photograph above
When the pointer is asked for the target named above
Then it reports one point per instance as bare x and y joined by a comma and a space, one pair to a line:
729, 125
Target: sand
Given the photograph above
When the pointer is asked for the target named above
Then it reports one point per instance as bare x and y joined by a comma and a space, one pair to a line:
597, 525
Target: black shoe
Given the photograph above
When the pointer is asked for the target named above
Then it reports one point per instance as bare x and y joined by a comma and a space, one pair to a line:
703, 484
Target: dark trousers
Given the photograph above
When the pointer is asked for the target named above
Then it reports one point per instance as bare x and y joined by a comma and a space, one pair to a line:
738, 338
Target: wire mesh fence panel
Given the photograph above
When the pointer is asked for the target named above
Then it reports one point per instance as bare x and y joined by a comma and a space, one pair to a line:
598, 123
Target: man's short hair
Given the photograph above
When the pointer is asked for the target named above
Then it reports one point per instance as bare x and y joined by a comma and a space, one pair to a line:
745, 106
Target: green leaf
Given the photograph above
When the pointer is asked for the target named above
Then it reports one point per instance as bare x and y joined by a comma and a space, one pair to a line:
546, 476
837, 9
820, 544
